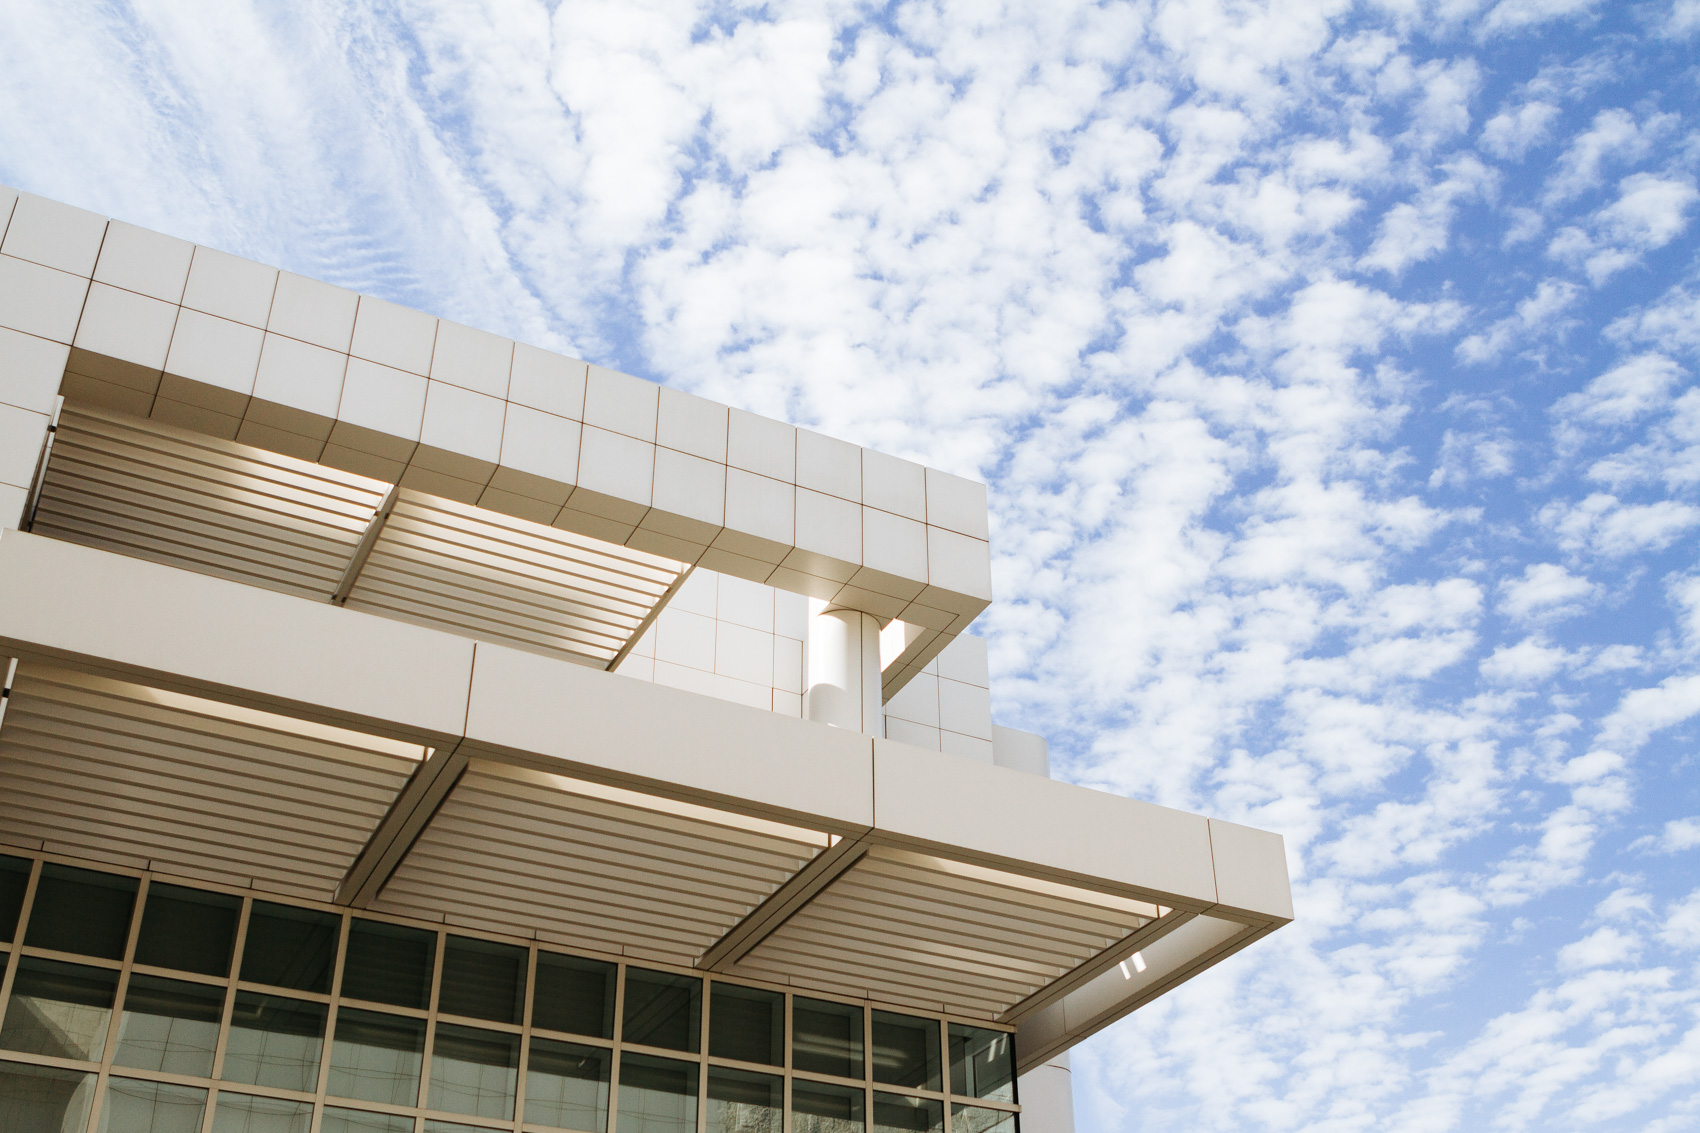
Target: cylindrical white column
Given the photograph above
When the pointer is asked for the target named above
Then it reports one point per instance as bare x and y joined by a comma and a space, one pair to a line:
1047, 1097
843, 679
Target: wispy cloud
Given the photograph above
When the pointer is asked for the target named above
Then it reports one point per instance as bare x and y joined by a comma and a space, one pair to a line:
1337, 408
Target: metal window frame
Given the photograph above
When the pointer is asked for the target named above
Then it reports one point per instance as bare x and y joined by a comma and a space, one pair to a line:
319, 1098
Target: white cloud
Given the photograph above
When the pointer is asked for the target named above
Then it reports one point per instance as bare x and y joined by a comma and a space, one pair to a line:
1604, 946
1678, 836
1417, 230
1604, 526
1514, 15
1683, 20
1535, 315
1671, 324
1546, 590
1644, 711
1625, 393
1467, 456
1614, 137
1512, 133
1682, 923
1176, 279
1529, 660
1649, 213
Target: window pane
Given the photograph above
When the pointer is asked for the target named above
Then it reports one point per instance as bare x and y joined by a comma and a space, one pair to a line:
474, 1071
14, 879
169, 1025
894, 1113
79, 910
377, 1057
742, 1102
982, 1063
573, 995
566, 1086
454, 1127
483, 980
274, 1042
44, 1098
242, 1113
973, 1119
826, 1037
188, 929
657, 1095
359, 1121
290, 947
906, 1051
389, 963
817, 1107
59, 1009
151, 1107
746, 1024
663, 1010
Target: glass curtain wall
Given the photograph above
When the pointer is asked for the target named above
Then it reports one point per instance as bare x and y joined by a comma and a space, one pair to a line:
128, 1003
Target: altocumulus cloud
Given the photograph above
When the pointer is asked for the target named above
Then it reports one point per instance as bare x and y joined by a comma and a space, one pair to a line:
1332, 366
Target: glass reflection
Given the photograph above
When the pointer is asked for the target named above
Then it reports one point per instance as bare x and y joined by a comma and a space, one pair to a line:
274, 1042
290, 947
151, 1107
982, 1063
897, 1113
663, 1010
657, 1095
906, 1051
169, 1025
819, 1107
574, 995
746, 1024
188, 929
338, 1120
376, 1057
59, 1009
826, 1037
474, 1071
244, 1113
389, 963
483, 980
81, 911
566, 1085
45, 1098
14, 881
973, 1119
740, 1101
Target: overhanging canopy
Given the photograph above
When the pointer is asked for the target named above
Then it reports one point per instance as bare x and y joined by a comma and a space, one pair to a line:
566, 804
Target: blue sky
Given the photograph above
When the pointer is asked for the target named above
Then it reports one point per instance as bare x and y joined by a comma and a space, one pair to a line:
1332, 367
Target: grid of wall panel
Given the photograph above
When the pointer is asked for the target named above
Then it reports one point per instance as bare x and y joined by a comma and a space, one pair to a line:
135, 1002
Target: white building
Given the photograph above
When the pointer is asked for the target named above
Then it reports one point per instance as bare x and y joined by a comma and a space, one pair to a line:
409, 729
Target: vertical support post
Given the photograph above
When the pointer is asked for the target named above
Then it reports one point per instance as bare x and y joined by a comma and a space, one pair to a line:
842, 687
1046, 1094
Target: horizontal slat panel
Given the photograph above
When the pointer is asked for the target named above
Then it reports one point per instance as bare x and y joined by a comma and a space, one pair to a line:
206, 505
171, 496
532, 858
118, 771
500, 579
894, 929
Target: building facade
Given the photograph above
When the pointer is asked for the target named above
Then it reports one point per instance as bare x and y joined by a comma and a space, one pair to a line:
410, 729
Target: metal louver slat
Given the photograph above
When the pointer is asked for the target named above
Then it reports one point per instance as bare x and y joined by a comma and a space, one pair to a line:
105, 769
506, 580
206, 505
217, 507
906, 929
508, 850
